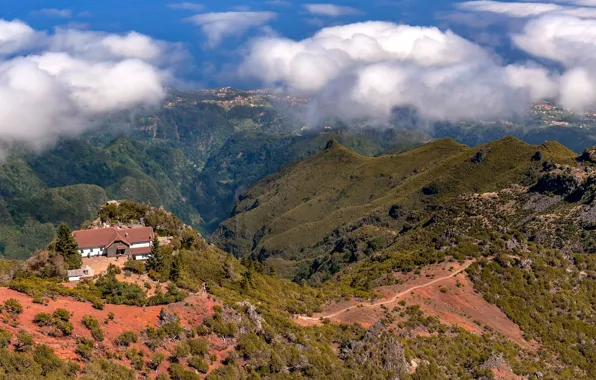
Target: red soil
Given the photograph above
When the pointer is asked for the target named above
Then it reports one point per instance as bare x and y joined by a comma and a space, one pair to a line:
191, 311
459, 305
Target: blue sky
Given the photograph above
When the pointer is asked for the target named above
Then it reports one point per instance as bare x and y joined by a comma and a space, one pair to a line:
163, 20
76, 61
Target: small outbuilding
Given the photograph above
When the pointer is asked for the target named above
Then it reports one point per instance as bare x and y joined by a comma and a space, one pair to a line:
79, 274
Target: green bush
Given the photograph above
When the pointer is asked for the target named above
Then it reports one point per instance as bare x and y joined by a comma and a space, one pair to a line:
85, 348
177, 372
93, 325
198, 346
24, 341
135, 266
62, 314
181, 351
13, 306
5, 338
127, 338
43, 319
156, 359
199, 364
47, 359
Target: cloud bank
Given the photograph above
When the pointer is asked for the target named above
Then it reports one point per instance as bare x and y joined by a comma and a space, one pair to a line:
365, 70
61, 84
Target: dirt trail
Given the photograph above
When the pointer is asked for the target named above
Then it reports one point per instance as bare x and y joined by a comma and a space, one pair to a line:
391, 300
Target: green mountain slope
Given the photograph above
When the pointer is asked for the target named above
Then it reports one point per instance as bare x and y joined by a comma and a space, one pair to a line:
295, 215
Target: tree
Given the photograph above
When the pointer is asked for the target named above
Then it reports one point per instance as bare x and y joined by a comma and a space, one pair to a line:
67, 246
176, 268
156, 260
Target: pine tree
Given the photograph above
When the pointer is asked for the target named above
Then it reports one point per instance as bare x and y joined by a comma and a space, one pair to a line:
156, 260
176, 268
67, 246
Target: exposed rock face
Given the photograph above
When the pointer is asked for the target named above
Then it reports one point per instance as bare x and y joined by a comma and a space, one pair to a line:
378, 349
563, 180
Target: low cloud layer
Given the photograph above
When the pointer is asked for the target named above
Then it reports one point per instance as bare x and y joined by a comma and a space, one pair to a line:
365, 70
61, 84
219, 25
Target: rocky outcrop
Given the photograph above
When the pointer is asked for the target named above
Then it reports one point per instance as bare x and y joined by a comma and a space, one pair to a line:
378, 349
480, 156
563, 180
589, 155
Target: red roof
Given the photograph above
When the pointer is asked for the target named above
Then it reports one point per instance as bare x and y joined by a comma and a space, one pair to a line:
141, 251
105, 237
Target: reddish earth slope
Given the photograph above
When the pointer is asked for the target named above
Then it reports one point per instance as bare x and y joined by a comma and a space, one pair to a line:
191, 311
441, 290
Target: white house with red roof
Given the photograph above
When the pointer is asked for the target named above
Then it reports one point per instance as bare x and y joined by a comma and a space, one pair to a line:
115, 242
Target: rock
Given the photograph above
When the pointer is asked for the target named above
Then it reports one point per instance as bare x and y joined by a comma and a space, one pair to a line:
253, 315
563, 180
480, 156
589, 155
378, 349
166, 316
537, 156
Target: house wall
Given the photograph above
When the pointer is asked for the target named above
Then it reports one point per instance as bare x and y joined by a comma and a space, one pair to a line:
91, 252
142, 244
74, 278
113, 250
141, 257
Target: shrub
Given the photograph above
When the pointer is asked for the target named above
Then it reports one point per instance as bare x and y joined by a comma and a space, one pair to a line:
177, 372
126, 338
98, 304
13, 306
43, 319
93, 325
181, 350
199, 364
24, 341
61, 327
5, 338
135, 266
47, 359
153, 337
62, 314
156, 360
85, 348
198, 346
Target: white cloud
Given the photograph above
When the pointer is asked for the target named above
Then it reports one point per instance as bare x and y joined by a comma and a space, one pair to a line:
330, 10
53, 12
187, 6
368, 69
279, 3
526, 9
17, 36
571, 42
62, 84
219, 25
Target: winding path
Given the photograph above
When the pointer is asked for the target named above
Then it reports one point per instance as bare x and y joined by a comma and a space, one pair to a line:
391, 300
